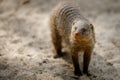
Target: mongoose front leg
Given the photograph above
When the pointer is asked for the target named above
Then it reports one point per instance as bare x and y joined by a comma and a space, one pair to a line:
87, 57
57, 43
76, 65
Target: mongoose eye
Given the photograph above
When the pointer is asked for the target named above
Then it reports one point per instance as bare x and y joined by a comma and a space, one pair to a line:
91, 26
84, 30
75, 28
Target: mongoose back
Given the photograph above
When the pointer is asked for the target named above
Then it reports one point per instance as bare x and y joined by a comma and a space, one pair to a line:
68, 25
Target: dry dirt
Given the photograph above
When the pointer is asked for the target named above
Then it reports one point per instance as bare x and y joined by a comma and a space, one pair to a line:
26, 50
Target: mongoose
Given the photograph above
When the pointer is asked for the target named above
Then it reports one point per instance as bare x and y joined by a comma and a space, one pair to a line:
68, 25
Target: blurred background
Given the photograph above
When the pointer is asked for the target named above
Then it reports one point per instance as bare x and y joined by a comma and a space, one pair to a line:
25, 47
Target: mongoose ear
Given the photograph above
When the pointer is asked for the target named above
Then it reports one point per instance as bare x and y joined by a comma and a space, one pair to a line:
91, 26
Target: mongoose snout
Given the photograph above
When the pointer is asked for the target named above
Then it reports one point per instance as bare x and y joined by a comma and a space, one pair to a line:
82, 33
80, 30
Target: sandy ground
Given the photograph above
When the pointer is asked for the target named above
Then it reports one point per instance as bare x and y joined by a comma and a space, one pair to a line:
26, 50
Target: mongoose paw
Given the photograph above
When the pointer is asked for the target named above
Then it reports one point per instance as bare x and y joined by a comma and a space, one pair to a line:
87, 73
25, 1
78, 73
58, 56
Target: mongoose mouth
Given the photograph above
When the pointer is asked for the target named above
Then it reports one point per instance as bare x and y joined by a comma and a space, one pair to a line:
81, 37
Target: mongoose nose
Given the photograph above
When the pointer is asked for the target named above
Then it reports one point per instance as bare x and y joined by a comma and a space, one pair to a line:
76, 34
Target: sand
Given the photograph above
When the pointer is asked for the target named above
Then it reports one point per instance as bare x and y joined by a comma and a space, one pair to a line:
25, 43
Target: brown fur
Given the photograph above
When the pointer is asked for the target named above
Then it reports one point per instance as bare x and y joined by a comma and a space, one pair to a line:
24, 1
64, 18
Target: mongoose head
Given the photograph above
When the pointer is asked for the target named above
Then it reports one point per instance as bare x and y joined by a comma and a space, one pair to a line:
81, 30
